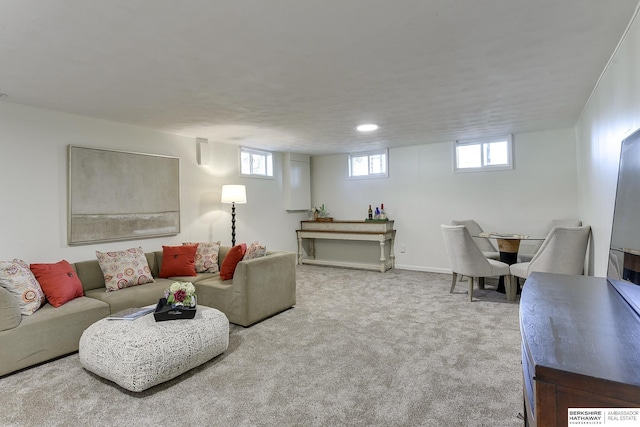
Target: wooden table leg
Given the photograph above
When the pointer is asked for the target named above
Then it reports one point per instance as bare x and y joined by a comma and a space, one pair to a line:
312, 248
383, 261
392, 252
509, 255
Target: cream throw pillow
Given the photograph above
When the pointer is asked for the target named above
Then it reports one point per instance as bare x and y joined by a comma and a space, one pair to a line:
255, 250
206, 257
17, 278
123, 269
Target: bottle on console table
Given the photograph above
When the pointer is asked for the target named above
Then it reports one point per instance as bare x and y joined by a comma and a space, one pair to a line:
370, 212
383, 214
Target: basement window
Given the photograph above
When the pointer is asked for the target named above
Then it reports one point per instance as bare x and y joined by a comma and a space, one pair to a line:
256, 163
483, 154
372, 164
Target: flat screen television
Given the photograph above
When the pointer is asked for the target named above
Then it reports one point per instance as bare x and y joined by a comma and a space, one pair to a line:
623, 271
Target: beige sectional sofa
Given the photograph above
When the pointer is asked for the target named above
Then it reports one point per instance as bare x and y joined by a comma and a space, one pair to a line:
260, 288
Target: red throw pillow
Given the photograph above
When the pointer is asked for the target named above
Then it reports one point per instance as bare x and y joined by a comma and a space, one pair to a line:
229, 263
178, 261
58, 281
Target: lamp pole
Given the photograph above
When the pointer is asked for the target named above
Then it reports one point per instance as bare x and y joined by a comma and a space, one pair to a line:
233, 223
233, 194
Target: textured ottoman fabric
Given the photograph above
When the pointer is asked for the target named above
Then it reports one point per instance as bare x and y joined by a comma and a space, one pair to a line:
138, 354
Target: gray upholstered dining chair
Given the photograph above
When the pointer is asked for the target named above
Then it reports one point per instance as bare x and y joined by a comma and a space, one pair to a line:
485, 245
467, 259
562, 252
522, 257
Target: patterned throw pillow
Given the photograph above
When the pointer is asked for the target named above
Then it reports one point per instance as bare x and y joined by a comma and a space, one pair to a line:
122, 269
17, 278
206, 257
255, 250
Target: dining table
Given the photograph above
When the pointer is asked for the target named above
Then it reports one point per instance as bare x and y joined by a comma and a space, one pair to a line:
508, 246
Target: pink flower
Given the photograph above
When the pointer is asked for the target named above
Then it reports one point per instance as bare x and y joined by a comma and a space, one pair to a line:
179, 295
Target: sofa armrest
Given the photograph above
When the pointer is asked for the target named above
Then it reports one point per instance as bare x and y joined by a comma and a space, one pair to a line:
10, 316
264, 286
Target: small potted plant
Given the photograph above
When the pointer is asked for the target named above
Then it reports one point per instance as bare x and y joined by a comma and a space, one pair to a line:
314, 212
319, 214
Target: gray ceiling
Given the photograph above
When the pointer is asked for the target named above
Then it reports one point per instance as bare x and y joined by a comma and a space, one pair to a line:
298, 75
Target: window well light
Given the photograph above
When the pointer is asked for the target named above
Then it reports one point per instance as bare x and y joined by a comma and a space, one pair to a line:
368, 127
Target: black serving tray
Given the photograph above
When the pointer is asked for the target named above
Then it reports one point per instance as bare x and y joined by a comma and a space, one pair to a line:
166, 312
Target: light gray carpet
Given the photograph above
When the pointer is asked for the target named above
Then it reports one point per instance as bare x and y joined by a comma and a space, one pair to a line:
359, 349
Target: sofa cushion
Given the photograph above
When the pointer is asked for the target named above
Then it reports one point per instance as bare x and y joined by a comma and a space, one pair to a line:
126, 268
206, 257
134, 296
49, 333
10, 315
255, 250
58, 281
229, 263
178, 261
17, 278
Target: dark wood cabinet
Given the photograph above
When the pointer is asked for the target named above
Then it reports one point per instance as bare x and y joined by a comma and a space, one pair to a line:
580, 347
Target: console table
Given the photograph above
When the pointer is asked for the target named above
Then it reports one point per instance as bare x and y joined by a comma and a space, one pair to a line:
580, 347
368, 231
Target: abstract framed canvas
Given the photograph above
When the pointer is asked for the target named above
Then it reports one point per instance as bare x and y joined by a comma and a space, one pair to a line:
119, 195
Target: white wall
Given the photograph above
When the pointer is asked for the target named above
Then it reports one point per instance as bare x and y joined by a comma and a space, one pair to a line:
422, 192
611, 114
33, 173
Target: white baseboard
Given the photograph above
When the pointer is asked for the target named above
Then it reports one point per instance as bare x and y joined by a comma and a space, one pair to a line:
422, 268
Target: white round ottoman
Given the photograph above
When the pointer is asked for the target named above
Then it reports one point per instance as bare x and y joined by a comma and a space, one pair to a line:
138, 354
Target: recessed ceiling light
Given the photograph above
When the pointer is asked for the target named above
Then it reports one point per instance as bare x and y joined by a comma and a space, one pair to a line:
369, 127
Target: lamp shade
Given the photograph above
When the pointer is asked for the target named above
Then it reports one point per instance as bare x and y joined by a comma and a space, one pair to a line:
234, 194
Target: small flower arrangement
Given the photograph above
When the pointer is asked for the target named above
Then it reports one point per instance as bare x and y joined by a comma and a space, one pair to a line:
318, 212
181, 294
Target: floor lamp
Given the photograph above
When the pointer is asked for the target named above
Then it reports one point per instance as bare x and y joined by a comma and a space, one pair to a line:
233, 194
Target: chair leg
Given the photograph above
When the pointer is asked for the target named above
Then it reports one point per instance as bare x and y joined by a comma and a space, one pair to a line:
453, 282
470, 288
511, 287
